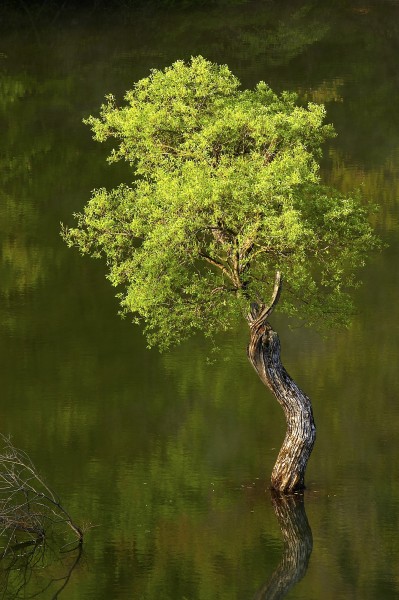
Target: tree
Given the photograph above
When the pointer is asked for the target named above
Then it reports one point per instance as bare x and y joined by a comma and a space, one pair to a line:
226, 197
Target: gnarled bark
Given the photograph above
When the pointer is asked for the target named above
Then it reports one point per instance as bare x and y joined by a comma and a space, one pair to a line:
264, 353
298, 545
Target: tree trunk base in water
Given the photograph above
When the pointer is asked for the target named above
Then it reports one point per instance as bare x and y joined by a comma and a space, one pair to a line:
264, 354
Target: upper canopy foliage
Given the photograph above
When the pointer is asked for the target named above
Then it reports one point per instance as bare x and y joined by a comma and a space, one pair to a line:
226, 192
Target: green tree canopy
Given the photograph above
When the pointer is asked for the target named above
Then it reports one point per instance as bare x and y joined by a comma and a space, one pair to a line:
226, 192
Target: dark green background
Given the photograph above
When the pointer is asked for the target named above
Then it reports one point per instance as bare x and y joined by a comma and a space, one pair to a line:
168, 455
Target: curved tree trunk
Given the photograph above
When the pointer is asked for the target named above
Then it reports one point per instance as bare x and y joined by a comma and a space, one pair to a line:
264, 353
298, 545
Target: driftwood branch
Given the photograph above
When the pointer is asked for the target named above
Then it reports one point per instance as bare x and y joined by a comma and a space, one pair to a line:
33, 523
27, 504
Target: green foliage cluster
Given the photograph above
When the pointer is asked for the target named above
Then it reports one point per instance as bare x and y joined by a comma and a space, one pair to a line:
226, 191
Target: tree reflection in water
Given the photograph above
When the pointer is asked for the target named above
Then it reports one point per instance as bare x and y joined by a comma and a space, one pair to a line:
298, 545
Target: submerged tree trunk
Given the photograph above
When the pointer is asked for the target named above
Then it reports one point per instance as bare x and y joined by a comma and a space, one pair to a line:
264, 353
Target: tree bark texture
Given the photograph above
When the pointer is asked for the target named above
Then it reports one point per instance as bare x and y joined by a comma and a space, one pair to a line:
298, 545
288, 474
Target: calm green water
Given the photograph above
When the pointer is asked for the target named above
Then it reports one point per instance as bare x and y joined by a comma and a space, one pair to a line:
169, 457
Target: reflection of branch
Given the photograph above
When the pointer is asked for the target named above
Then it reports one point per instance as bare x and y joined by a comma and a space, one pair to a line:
298, 545
23, 575
59, 12
26, 9
65, 579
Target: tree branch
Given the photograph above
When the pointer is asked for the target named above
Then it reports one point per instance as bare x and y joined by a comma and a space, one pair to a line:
217, 264
260, 313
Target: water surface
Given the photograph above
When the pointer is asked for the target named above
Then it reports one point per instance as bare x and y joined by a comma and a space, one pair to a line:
167, 455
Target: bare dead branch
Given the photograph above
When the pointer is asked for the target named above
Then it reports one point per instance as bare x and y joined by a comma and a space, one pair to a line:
28, 506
